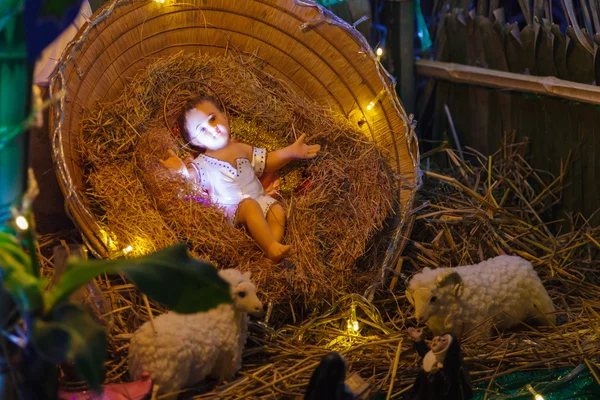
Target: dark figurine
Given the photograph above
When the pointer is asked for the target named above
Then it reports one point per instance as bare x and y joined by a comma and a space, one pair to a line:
443, 377
327, 381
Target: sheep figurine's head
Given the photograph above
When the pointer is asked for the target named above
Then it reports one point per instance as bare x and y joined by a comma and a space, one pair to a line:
243, 291
429, 290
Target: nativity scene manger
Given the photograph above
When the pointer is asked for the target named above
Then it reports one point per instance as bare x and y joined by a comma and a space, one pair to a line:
281, 69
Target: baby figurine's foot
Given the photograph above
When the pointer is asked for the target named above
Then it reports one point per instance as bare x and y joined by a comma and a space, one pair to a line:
277, 251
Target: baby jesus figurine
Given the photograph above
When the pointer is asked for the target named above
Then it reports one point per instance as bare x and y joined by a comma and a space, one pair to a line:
443, 377
228, 171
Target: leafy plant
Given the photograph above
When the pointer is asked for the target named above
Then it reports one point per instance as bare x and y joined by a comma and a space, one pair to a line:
58, 330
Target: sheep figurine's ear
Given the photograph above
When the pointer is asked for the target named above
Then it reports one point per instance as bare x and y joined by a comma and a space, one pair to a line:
450, 278
247, 274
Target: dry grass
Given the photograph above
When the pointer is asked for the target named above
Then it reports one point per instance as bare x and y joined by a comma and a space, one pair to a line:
473, 211
337, 204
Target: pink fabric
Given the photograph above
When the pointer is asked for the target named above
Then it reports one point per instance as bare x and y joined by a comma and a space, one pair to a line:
116, 391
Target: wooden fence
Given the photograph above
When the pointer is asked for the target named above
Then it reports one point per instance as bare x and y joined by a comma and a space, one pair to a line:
554, 127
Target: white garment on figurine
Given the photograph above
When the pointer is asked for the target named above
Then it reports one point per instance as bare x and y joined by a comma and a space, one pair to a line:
228, 186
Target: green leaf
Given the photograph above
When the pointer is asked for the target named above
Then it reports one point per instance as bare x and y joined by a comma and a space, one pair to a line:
71, 334
8, 310
25, 290
16, 277
8, 10
169, 276
11, 248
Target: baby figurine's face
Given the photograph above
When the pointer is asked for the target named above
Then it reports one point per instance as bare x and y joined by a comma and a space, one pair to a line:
207, 126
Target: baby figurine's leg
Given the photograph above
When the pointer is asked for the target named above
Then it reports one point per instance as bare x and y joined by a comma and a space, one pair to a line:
250, 214
276, 221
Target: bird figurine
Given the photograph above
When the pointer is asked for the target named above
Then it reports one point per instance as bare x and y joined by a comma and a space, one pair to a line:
443, 375
328, 380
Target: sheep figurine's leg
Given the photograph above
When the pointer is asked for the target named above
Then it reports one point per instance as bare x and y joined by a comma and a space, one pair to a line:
226, 366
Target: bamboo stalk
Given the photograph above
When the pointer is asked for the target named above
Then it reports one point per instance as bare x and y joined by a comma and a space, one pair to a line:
549, 86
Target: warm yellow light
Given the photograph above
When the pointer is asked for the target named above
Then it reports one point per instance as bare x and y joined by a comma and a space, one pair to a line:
355, 326
22, 223
370, 106
379, 52
535, 394
160, 1
127, 250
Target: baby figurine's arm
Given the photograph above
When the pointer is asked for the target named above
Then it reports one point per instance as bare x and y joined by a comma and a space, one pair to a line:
176, 164
280, 158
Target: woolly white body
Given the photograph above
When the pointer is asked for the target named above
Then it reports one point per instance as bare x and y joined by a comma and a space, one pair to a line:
502, 291
188, 348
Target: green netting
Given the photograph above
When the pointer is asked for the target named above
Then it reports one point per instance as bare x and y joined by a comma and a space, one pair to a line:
327, 3
560, 384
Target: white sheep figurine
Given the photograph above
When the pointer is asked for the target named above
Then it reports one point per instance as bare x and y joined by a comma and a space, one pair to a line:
185, 349
500, 292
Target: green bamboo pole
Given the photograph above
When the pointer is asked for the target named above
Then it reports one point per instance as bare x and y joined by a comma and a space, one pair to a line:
15, 91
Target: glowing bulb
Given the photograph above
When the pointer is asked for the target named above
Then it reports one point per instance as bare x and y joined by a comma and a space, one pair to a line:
535, 394
370, 106
379, 52
127, 250
22, 223
355, 327
160, 1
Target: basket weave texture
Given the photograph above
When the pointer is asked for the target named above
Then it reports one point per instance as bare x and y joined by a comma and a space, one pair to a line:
303, 45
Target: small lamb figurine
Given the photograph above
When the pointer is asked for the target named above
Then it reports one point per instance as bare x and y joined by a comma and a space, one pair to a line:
501, 291
185, 349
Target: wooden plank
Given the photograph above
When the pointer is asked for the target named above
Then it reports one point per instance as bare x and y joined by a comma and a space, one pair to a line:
549, 86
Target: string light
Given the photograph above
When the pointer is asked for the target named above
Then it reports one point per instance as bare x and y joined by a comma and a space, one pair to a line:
352, 324
375, 100
379, 53
127, 250
160, 1
535, 394
22, 223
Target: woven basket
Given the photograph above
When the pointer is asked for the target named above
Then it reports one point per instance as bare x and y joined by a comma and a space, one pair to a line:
303, 44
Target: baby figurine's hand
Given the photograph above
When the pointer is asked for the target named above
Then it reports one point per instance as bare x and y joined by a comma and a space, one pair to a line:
175, 163
415, 334
303, 150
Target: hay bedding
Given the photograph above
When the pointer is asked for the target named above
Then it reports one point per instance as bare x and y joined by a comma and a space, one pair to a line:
336, 203
474, 211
